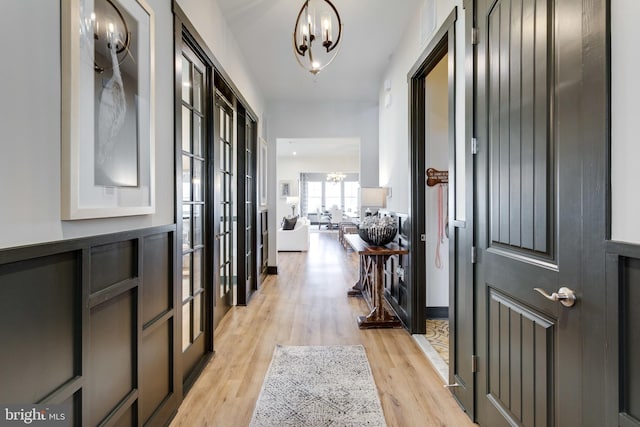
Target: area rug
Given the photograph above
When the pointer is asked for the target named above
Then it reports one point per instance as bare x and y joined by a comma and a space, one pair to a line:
316, 386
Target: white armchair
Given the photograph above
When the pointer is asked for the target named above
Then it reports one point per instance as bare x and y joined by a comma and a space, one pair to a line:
296, 239
336, 217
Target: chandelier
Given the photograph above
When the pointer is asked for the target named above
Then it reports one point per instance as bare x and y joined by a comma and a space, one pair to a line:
307, 34
336, 177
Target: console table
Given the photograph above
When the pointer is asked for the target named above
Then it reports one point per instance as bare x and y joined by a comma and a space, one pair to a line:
371, 281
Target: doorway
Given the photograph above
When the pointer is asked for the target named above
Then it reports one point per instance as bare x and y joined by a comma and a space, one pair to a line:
436, 208
456, 278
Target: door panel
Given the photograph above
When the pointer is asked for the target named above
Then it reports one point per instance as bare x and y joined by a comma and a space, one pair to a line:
225, 149
528, 212
518, 130
192, 190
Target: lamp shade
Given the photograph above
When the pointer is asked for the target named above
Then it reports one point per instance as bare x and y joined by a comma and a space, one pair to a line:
293, 200
373, 196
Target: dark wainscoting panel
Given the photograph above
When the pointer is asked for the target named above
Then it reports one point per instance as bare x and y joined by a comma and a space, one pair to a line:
111, 350
623, 334
157, 271
39, 303
112, 263
90, 323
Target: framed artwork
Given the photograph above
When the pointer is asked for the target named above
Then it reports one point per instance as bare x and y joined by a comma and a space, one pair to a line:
107, 166
262, 171
285, 189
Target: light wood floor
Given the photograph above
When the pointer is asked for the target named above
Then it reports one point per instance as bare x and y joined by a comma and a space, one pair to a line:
306, 304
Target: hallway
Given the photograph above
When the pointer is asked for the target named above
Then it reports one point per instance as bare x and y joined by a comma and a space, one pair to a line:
306, 304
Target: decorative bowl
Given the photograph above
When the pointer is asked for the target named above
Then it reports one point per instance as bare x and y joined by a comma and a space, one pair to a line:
378, 231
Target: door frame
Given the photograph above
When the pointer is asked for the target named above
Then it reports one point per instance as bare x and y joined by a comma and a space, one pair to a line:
443, 42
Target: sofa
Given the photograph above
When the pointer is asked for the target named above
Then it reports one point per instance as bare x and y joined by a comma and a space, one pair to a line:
296, 239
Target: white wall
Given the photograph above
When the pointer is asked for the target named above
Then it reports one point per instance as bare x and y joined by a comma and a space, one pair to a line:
30, 83
30, 117
289, 168
436, 156
394, 119
321, 120
625, 149
207, 18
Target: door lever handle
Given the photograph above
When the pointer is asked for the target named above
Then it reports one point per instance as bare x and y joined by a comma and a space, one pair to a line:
566, 296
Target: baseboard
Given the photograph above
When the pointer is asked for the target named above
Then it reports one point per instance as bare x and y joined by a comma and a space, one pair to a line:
272, 269
437, 312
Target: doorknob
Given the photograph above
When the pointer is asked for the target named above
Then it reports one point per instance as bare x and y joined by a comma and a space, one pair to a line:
566, 296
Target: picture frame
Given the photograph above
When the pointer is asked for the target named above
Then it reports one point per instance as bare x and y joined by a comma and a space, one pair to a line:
262, 172
108, 114
285, 189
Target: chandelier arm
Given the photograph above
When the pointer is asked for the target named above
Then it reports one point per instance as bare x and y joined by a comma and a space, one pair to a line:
316, 71
339, 26
295, 28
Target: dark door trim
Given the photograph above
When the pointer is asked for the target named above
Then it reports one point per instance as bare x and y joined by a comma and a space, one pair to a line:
442, 43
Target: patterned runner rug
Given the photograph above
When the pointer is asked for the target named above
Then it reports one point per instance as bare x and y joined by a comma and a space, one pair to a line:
315, 386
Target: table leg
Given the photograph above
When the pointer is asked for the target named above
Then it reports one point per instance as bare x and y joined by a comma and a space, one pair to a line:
379, 317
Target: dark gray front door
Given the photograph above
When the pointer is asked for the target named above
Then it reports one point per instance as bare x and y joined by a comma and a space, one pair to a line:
532, 213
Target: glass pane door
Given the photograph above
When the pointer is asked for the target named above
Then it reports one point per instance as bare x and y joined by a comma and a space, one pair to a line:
227, 273
193, 202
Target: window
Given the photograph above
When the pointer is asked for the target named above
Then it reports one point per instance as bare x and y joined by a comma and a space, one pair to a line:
318, 194
351, 196
314, 196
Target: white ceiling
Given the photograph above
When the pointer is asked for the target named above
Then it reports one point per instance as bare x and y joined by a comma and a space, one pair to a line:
318, 147
372, 30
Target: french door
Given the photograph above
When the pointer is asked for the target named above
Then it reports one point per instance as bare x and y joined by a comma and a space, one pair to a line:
194, 204
228, 210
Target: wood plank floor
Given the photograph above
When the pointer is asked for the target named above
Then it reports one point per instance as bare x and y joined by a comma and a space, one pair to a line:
306, 304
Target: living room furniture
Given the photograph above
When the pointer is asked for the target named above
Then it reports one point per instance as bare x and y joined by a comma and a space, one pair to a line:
296, 239
335, 218
371, 281
346, 228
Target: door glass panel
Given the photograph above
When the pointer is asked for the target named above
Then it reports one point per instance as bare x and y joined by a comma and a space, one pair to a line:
186, 178
186, 227
186, 276
197, 225
197, 135
222, 130
186, 326
197, 90
197, 180
197, 270
186, 129
186, 80
197, 315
